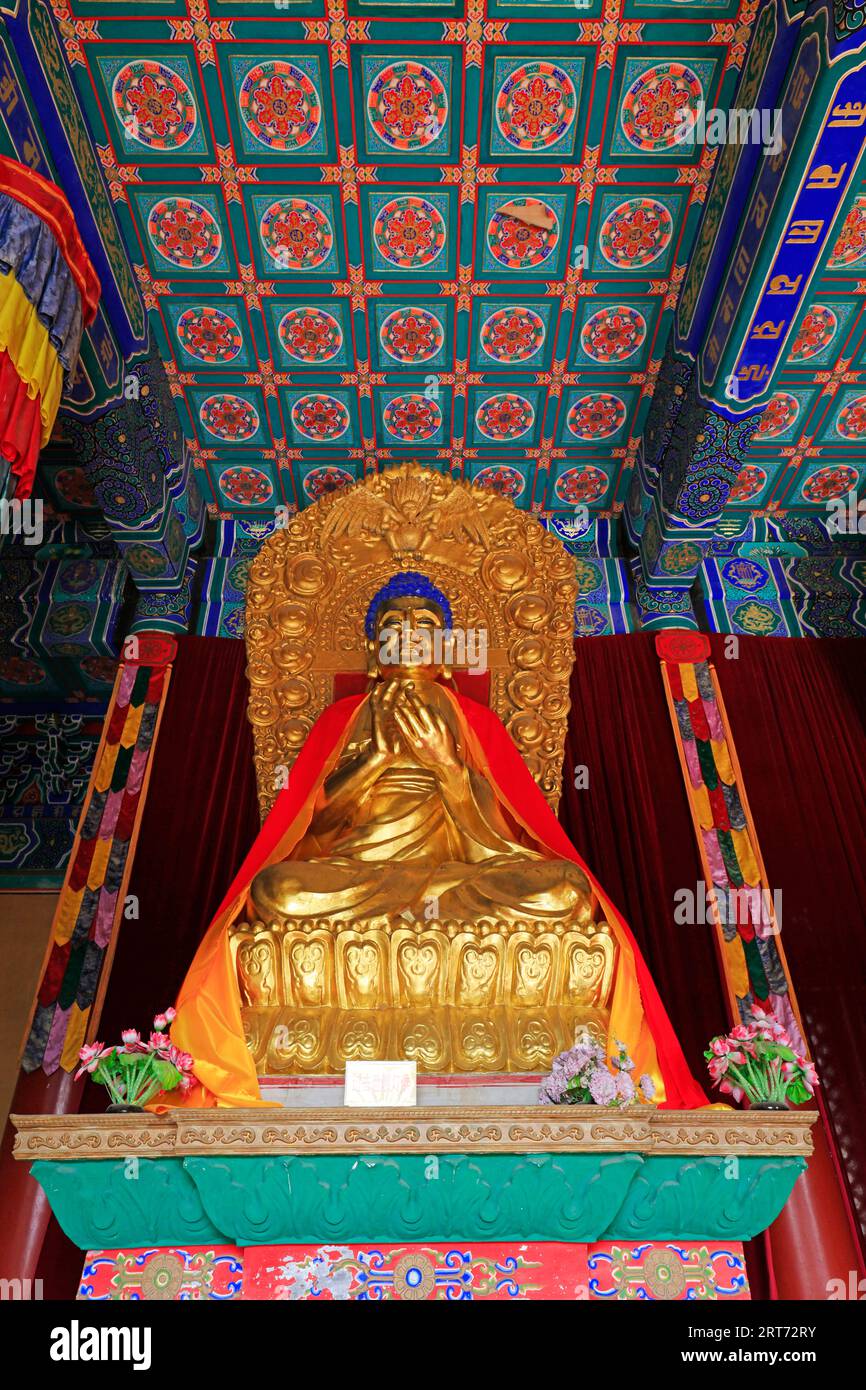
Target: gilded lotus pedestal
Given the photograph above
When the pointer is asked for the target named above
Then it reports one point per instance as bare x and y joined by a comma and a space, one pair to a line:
488, 996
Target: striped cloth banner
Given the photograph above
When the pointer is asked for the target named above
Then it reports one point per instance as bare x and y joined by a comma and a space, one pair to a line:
738, 898
91, 902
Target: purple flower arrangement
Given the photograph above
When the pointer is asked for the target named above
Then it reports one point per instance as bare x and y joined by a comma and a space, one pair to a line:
585, 1076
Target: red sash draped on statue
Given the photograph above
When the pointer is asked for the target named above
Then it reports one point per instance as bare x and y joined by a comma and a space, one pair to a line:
208, 1023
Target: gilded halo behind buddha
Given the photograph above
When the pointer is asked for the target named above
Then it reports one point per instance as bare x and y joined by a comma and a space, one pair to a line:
312, 581
416, 916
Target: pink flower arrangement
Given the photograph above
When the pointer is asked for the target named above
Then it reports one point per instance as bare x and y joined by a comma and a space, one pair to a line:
135, 1071
759, 1061
584, 1076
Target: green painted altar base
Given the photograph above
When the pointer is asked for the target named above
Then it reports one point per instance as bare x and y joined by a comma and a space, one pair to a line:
290, 1199
280, 1177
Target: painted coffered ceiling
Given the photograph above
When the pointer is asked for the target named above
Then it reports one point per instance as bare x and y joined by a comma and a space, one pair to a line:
454, 231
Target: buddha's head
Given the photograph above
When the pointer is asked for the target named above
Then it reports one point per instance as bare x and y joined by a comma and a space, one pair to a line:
405, 627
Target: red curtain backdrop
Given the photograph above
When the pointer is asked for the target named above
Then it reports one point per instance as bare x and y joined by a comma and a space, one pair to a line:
632, 824
797, 710
200, 818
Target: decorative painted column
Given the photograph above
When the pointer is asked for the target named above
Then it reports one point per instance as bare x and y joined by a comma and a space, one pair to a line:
117, 412
140, 471
660, 604
687, 464
687, 459
762, 247
813, 1239
700, 467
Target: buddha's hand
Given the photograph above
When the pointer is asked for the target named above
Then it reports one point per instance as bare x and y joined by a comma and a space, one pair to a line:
427, 734
383, 743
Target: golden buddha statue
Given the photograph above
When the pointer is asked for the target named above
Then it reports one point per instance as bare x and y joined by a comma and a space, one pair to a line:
405, 824
411, 892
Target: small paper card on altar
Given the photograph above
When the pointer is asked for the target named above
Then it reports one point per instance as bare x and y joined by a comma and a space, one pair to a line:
381, 1083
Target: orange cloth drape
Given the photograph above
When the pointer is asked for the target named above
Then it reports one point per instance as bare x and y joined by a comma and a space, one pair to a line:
208, 1023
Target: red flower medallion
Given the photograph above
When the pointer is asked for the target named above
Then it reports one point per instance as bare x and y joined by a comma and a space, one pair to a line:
779, 415
229, 417
520, 245
209, 334
815, 333
585, 484
320, 417
280, 105
513, 334
851, 245
184, 233
310, 335
412, 417
154, 104
660, 107
635, 233
613, 333
596, 416
296, 234
536, 106
409, 232
504, 417
407, 106
411, 335
852, 419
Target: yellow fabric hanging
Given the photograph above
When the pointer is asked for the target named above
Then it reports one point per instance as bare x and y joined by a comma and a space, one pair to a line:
703, 811
67, 916
30, 350
689, 681
737, 970
722, 760
745, 853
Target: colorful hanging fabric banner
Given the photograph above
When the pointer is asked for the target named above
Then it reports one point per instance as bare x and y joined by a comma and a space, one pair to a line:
52, 208
49, 293
91, 902
738, 900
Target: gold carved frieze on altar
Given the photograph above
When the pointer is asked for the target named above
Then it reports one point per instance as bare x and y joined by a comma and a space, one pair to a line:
453, 996
311, 582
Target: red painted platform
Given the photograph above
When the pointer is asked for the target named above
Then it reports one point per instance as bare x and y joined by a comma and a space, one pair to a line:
607, 1271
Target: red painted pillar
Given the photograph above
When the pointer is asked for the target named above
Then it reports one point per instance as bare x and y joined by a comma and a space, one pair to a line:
813, 1242
24, 1210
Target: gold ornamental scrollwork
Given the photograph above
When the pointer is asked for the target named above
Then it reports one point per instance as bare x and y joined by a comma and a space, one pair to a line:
382, 1134
442, 1129
301, 1135
463, 1134
311, 582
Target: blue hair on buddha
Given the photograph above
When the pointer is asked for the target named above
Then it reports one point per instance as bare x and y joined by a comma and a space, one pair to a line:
406, 584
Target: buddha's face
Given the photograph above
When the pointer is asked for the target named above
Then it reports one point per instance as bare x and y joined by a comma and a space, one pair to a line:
409, 637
